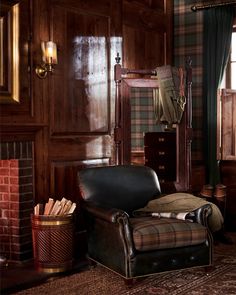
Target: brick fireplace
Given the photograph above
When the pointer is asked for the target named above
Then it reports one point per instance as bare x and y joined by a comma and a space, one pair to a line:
16, 200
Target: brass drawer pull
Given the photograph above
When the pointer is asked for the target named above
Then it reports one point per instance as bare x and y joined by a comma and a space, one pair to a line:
161, 139
161, 167
161, 153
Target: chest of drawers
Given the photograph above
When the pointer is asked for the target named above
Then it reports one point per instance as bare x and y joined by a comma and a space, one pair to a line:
160, 154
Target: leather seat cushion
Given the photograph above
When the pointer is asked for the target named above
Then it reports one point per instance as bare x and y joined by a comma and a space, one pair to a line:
150, 233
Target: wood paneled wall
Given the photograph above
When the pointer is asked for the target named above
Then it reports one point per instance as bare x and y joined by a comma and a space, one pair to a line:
147, 33
70, 115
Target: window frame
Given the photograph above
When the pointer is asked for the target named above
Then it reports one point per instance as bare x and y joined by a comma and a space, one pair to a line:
228, 79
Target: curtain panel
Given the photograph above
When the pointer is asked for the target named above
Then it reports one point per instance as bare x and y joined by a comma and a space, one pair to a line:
218, 26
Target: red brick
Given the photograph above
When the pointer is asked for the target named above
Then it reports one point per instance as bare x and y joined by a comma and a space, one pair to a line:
15, 239
15, 231
14, 222
5, 163
1, 234
5, 212
14, 206
14, 180
4, 196
15, 248
4, 222
14, 163
4, 171
5, 238
14, 197
4, 205
6, 180
14, 214
21, 204
14, 189
14, 172
4, 188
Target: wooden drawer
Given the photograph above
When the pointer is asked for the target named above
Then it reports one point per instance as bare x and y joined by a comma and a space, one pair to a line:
160, 154
160, 139
165, 172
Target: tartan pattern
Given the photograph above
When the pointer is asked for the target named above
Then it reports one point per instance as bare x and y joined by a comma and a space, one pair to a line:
154, 233
142, 117
188, 41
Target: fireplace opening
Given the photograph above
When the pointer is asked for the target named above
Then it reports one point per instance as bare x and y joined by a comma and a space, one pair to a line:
16, 200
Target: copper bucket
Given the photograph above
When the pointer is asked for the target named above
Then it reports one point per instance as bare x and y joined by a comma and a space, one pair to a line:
52, 242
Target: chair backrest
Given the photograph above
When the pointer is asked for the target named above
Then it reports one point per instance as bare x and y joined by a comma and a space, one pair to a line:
125, 187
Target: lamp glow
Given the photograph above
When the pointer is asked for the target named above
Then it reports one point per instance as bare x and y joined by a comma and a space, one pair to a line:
49, 58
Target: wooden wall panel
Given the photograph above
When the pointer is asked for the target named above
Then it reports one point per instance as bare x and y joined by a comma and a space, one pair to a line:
81, 147
147, 33
81, 94
138, 54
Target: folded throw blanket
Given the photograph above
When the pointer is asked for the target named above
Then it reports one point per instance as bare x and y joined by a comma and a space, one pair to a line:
183, 202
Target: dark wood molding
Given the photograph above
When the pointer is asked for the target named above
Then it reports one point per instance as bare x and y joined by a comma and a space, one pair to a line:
19, 132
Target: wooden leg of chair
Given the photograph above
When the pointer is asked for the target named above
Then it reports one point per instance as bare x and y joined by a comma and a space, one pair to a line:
129, 282
209, 269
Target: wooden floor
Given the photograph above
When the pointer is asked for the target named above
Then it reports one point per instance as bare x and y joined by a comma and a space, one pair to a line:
15, 277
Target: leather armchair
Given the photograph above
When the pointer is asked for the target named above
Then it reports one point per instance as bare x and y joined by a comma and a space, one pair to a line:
110, 195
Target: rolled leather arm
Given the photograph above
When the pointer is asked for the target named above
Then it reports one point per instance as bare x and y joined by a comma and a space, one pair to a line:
110, 215
114, 216
201, 214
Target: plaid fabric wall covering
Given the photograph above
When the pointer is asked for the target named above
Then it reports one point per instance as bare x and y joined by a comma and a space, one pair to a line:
188, 41
142, 117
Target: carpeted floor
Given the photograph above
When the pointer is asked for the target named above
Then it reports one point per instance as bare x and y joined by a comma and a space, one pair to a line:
100, 281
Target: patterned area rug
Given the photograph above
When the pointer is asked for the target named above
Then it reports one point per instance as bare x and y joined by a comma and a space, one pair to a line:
100, 281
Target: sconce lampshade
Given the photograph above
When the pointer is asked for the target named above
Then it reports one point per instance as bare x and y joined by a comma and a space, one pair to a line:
49, 58
49, 52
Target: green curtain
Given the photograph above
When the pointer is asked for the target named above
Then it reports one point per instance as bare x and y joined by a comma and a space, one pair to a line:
218, 26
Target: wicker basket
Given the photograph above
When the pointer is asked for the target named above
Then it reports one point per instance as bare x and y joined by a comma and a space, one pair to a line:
52, 242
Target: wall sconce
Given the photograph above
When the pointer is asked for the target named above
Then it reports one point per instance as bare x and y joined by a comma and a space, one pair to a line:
49, 57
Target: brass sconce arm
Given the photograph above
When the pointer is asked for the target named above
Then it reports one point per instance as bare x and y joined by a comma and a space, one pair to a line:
49, 57
42, 70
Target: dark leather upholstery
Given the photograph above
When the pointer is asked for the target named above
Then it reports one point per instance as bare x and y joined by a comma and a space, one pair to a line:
110, 186
110, 195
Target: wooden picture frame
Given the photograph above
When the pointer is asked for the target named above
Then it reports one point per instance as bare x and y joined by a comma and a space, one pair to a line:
9, 52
